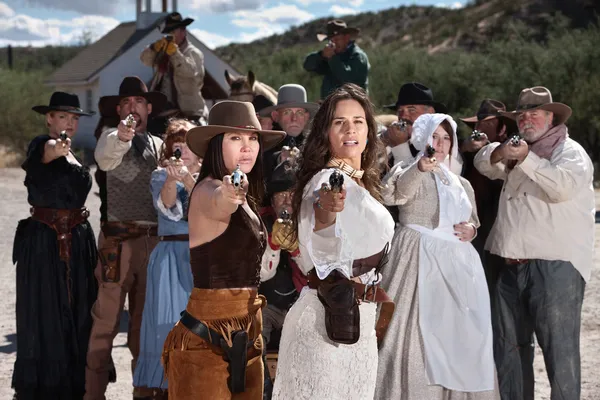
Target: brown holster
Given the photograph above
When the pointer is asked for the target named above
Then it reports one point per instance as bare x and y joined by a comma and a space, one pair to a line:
115, 233
341, 298
62, 221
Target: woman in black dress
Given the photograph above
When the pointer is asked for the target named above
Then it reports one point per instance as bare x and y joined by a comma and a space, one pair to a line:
55, 255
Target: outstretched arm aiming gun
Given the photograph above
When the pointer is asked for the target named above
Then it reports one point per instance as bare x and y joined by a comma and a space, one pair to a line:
330, 200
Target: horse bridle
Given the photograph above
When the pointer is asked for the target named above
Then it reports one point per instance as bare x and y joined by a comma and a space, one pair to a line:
243, 94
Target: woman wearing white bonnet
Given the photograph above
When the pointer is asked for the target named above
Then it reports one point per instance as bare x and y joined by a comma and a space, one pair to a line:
439, 342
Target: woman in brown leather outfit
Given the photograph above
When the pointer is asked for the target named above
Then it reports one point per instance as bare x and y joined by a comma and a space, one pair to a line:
214, 351
55, 253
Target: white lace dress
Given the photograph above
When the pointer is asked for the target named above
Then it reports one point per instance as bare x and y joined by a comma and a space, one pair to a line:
310, 365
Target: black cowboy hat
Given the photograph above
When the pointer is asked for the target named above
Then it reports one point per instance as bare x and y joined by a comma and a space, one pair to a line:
283, 178
261, 102
61, 101
132, 86
416, 93
174, 21
337, 27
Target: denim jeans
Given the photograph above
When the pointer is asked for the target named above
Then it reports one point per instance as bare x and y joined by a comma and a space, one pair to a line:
545, 298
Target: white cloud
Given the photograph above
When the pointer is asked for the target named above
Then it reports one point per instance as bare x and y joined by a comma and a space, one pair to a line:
339, 11
269, 21
453, 6
339, 3
212, 40
96, 7
223, 6
23, 30
5, 10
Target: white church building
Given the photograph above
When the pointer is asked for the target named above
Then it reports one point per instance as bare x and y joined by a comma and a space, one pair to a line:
99, 68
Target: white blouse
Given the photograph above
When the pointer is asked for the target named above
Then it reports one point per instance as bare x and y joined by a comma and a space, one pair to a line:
361, 230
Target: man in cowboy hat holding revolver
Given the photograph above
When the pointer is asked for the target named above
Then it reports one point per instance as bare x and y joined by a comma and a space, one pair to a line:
543, 241
489, 126
341, 60
128, 154
414, 100
179, 68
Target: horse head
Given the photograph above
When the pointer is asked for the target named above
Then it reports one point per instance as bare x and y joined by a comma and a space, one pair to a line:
241, 88
245, 88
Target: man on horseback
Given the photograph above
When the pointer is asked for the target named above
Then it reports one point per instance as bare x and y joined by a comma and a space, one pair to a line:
179, 69
341, 61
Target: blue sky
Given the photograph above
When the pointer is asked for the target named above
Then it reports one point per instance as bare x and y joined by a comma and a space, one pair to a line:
217, 22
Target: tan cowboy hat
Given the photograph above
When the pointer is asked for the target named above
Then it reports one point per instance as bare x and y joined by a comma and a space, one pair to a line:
230, 116
291, 96
337, 27
540, 98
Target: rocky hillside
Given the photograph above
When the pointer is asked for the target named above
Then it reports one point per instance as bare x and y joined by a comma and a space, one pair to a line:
437, 29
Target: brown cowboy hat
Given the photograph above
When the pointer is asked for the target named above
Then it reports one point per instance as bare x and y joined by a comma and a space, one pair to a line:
337, 27
488, 109
132, 86
61, 101
540, 98
230, 116
174, 21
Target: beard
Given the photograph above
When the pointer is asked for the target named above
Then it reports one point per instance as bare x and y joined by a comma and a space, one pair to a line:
534, 133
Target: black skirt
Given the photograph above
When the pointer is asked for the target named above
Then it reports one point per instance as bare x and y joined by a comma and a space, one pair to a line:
53, 332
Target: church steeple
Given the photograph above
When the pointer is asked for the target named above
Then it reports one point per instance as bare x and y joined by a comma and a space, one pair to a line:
146, 17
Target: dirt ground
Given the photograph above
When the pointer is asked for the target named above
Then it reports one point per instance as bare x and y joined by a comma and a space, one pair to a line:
13, 200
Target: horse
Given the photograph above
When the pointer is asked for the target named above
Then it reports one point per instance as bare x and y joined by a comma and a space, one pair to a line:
245, 88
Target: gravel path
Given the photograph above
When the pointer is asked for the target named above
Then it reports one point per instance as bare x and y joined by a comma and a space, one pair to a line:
13, 198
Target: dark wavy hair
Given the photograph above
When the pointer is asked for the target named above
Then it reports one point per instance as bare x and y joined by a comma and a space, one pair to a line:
316, 151
213, 165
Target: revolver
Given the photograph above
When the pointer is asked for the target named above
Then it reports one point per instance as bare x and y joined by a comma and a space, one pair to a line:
402, 124
336, 181
63, 138
237, 177
176, 155
285, 215
130, 121
476, 135
430, 152
515, 140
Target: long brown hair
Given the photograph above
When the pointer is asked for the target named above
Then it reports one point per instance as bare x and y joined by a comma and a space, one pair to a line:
316, 151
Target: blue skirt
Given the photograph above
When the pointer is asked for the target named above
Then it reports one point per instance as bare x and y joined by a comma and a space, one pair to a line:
168, 288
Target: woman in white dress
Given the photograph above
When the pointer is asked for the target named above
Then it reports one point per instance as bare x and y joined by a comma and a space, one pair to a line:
439, 342
345, 234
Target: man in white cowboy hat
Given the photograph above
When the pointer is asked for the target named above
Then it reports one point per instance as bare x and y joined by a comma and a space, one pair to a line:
179, 68
341, 60
291, 114
129, 155
543, 240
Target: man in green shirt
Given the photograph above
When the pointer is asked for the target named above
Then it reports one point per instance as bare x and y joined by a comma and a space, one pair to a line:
341, 60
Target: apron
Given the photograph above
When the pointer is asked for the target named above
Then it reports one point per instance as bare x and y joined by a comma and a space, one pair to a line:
454, 305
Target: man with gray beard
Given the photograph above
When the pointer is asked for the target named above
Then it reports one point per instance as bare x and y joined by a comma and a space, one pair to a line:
543, 241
